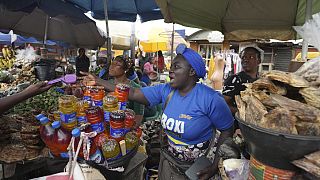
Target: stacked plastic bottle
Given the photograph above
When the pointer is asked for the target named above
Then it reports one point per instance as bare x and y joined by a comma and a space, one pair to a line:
87, 95
122, 93
117, 130
97, 94
82, 106
47, 134
110, 103
129, 121
68, 108
61, 139
107, 116
94, 153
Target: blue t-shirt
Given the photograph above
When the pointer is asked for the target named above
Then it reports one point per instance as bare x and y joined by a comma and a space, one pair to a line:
190, 119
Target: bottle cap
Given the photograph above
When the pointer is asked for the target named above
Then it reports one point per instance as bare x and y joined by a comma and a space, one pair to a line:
44, 120
55, 124
39, 116
76, 132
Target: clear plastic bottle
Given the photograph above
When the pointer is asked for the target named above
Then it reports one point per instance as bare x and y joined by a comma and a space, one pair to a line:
47, 135
61, 139
110, 103
111, 150
68, 108
95, 118
122, 92
94, 154
97, 94
82, 106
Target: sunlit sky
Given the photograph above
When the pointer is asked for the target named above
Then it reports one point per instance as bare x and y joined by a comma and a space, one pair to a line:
124, 28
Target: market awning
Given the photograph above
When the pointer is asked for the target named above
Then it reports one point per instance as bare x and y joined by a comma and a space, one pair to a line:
240, 19
122, 10
54, 20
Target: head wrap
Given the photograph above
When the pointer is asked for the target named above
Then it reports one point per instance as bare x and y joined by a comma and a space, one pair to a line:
193, 58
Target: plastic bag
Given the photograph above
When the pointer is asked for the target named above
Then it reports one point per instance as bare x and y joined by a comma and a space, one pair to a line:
310, 31
236, 169
26, 56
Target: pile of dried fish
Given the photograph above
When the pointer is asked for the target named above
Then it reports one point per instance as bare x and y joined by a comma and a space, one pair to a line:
310, 163
19, 138
284, 102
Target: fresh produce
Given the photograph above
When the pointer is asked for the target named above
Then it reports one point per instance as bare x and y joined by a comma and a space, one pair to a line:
7, 59
47, 101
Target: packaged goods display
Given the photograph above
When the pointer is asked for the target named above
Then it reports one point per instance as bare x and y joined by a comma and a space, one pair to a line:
94, 112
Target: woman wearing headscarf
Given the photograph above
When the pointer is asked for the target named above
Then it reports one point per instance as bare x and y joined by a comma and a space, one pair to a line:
120, 70
192, 113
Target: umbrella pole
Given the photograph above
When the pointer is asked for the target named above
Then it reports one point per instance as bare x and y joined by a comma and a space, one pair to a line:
133, 40
304, 51
108, 42
45, 31
172, 41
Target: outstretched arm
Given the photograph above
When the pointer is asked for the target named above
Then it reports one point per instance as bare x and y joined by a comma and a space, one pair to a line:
135, 94
8, 102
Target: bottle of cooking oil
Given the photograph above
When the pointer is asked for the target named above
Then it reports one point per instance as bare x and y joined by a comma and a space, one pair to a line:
68, 109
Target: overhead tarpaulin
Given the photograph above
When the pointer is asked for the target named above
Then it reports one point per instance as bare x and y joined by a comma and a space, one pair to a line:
240, 19
50, 19
121, 10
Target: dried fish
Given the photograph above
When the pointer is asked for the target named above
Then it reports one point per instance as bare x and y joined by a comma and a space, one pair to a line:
281, 120
308, 129
265, 84
241, 107
288, 78
303, 111
311, 95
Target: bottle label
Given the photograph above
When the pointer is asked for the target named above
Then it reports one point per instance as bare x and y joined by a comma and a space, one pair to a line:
82, 119
107, 116
122, 105
98, 127
68, 118
64, 155
116, 133
97, 157
87, 98
97, 103
126, 130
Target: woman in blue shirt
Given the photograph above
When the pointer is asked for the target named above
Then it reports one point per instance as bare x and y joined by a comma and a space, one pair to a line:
192, 113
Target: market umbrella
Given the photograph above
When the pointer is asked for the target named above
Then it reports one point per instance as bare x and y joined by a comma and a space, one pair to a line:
240, 19
158, 38
50, 19
124, 10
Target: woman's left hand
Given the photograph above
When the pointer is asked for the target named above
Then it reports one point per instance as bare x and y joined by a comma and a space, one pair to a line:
90, 79
207, 173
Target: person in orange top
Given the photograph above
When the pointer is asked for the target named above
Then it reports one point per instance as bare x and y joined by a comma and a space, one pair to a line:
160, 61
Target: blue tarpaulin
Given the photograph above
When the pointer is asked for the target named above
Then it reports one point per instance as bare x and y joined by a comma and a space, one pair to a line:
122, 10
6, 39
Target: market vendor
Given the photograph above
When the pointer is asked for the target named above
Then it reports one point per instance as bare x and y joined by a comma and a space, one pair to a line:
250, 59
191, 113
120, 69
8, 102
